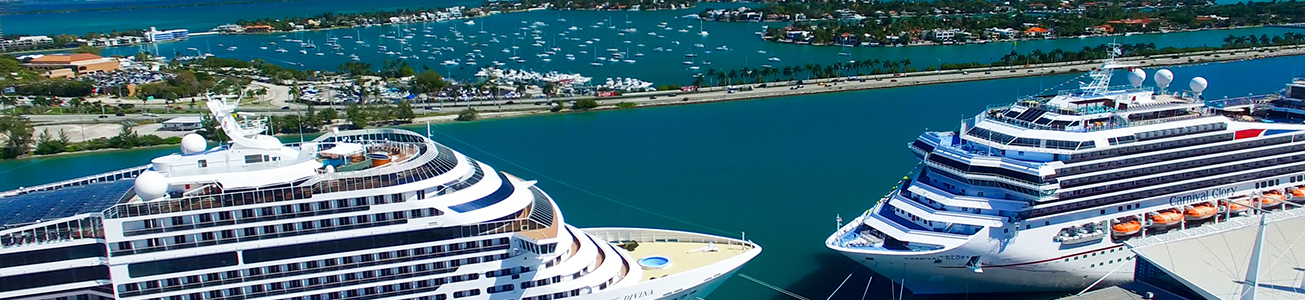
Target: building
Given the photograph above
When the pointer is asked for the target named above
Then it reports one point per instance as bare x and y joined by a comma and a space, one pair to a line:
114, 41
27, 42
1037, 32
1003, 33
182, 124
258, 28
230, 28
945, 35
155, 35
65, 65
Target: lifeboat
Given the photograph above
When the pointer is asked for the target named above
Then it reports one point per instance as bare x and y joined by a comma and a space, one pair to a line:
1126, 228
1296, 193
1166, 217
1269, 199
1200, 211
1235, 205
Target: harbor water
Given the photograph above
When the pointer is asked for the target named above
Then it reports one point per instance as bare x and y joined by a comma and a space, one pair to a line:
777, 169
590, 36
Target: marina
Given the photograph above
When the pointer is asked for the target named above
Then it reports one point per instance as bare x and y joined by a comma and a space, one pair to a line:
729, 164
522, 39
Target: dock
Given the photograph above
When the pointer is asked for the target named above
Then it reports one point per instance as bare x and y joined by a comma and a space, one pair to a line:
1217, 261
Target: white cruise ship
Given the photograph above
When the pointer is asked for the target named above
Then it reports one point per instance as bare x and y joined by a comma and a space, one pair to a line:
367, 214
1039, 194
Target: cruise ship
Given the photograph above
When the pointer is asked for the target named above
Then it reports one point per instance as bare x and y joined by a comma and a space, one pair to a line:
1040, 194
365, 214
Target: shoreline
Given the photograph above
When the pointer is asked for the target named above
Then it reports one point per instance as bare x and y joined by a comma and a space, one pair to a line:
1014, 40
785, 88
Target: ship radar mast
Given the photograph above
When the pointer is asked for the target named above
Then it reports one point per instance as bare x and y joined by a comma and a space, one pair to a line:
1101, 77
250, 135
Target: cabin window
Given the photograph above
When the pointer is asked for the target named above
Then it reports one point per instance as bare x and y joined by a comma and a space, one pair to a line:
249, 159
203, 163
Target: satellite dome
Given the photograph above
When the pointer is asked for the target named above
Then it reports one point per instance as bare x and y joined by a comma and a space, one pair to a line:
193, 143
151, 185
1198, 84
1163, 77
1136, 76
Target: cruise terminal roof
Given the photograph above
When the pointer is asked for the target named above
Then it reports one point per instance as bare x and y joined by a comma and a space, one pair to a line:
1213, 259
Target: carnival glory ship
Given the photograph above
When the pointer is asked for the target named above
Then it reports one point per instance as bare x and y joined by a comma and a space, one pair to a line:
366, 214
1039, 194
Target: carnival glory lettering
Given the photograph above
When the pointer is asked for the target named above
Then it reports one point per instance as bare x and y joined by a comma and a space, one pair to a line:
1201, 196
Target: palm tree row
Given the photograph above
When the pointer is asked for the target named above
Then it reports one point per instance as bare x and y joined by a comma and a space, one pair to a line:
806, 71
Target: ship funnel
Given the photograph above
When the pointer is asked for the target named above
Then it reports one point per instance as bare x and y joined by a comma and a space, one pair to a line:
1162, 79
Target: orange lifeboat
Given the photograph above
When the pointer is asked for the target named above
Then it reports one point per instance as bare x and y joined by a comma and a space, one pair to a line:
1200, 211
1126, 228
1269, 199
1166, 217
1236, 205
1296, 193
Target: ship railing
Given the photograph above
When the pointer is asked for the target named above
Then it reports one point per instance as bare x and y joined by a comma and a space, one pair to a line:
308, 271
1169, 119
209, 201
131, 172
1110, 91
1239, 101
624, 235
959, 172
53, 231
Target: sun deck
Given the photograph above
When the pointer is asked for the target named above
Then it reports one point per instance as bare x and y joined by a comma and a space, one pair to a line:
685, 251
684, 256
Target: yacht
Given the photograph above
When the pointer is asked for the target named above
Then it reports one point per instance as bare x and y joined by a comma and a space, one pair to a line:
363, 214
1040, 194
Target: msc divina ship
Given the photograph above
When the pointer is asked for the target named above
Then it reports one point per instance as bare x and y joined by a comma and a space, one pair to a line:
366, 214
1039, 194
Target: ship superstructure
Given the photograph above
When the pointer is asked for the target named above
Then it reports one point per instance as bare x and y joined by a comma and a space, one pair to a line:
364, 214
1038, 195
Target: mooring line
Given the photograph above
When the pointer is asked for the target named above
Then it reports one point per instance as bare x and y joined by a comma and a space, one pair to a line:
773, 287
840, 285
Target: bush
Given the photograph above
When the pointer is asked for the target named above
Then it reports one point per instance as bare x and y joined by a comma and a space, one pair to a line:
583, 104
630, 246
626, 105
468, 114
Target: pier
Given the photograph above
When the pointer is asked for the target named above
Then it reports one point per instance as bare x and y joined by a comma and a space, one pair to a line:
1220, 261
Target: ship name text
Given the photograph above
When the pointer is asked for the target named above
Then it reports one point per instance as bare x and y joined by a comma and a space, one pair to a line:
1201, 196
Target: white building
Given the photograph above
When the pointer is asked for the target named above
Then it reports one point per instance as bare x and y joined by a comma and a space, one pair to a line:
183, 124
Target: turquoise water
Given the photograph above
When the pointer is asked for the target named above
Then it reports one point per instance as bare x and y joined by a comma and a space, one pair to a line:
201, 18
778, 169
664, 67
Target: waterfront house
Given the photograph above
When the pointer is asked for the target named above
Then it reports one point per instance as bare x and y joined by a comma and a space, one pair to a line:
67, 66
1037, 32
1001, 33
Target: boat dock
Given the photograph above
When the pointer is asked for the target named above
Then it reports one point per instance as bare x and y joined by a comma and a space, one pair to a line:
1216, 261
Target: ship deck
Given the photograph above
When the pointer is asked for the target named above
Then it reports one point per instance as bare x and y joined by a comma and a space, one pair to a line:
683, 256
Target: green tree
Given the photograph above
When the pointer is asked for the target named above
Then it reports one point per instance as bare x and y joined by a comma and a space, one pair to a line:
18, 136
356, 116
583, 104
427, 82
50, 145
403, 112
468, 114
